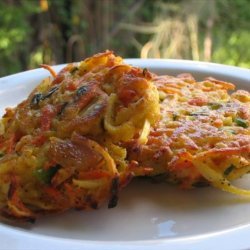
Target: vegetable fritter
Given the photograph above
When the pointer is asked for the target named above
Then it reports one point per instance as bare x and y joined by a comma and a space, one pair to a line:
60, 148
203, 136
83, 134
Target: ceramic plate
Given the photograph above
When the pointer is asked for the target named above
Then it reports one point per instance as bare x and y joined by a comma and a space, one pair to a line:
148, 216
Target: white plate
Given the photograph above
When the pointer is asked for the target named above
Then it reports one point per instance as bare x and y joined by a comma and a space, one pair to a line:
148, 216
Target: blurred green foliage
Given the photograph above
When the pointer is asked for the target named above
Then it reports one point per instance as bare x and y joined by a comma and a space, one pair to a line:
58, 31
232, 33
15, 30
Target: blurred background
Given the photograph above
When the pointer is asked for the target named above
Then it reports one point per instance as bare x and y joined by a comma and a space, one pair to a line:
59, 31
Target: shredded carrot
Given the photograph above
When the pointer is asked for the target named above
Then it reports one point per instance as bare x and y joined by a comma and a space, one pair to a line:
174, 85
225, 85
53, 193
139, 170
161, 131
14, 202
11, 144
71, 86
47, 115
218, 123
197, 101
170, 90
70, 192
224, 151
49, 164
59, 78
126, 96
125, 178
50, 69
39, 140
206, 89
94, 174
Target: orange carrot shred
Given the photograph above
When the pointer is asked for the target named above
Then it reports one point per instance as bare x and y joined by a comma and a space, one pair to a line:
50, 69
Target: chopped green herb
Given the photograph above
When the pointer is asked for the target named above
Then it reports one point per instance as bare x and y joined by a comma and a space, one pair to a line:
231, 131
215, 105
1, 154
241, 122
46, 176
228, 130
199, 113
229, 170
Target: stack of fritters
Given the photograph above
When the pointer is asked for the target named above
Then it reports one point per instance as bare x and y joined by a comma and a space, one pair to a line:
80, 137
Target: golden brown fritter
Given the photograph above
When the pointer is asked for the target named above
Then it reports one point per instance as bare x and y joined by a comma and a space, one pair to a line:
203, 136
60, 148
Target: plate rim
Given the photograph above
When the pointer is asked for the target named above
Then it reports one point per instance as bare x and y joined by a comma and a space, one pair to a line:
156, 63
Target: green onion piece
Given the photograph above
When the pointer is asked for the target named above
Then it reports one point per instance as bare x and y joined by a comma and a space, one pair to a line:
199, 113
215, 105
228, 130
46, 175
241, 122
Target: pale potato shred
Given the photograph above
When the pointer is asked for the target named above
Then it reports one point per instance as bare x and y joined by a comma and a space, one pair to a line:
84, 133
